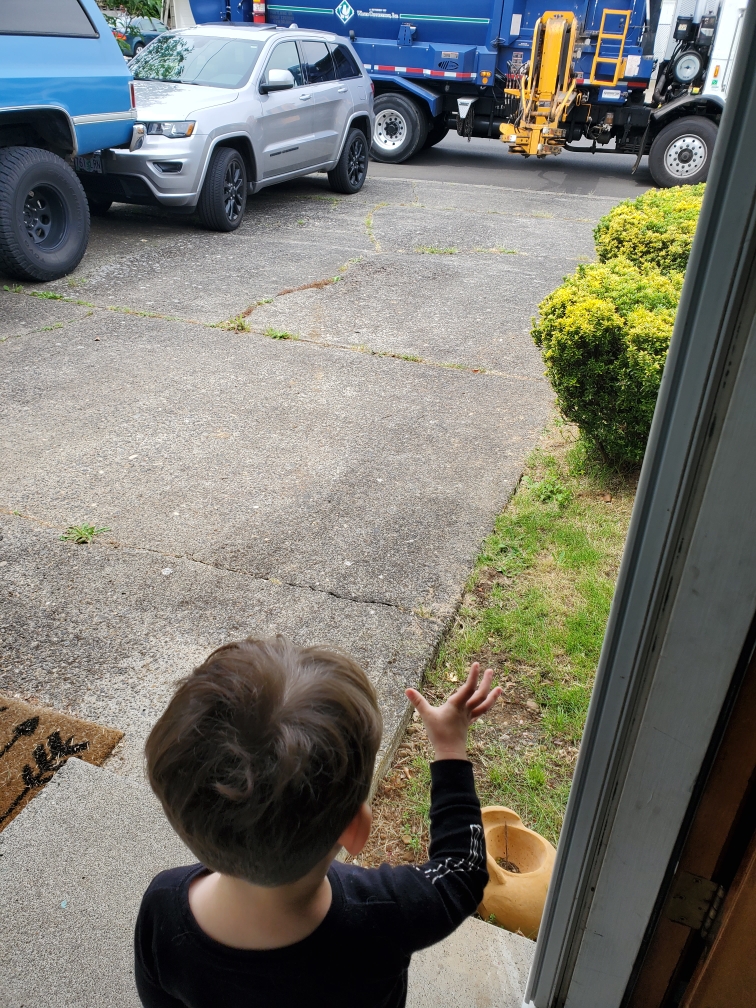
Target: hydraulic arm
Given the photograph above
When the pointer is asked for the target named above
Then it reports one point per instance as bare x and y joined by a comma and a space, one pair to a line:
547, 88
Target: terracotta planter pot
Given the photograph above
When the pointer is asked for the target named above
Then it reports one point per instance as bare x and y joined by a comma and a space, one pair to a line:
515, 899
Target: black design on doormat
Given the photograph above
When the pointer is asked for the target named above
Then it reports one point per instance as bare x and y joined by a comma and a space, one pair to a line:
25, 728
48, 760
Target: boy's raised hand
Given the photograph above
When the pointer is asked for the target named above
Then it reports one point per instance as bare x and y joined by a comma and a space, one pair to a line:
448, 724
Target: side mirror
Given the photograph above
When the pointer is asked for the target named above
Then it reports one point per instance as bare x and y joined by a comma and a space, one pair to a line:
277, 80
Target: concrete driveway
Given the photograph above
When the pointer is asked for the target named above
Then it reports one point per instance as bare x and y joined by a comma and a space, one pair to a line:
304, 427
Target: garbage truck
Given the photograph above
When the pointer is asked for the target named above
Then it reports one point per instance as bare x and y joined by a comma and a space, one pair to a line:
639, 77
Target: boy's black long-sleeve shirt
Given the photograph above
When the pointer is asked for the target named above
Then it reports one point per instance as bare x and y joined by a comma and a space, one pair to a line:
359, 954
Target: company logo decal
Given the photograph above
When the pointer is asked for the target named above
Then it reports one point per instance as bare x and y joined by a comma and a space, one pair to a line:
344, 12
448, 65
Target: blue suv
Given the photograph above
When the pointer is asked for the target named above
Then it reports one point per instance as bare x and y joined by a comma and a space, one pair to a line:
66, 93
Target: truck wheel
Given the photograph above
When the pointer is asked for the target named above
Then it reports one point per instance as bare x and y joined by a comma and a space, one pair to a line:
44, 217
400, 128
349, 174
436, 134
681, 152
223, 198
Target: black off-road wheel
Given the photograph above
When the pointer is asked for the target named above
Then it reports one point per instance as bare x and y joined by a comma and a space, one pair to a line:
350, 173
223, 198
681, 152
400, 128
44, 216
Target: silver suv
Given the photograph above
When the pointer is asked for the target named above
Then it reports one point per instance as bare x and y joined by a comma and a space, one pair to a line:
223, 111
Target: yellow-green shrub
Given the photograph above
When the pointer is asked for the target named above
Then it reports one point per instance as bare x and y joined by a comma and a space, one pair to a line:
656, 228
604, 336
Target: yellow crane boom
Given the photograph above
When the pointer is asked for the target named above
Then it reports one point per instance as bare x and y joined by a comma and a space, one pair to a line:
547, 91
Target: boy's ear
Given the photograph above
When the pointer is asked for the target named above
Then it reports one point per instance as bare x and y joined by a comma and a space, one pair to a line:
355, 836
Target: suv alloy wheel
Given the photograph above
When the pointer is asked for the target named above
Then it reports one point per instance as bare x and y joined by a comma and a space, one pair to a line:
349, 174
223, 199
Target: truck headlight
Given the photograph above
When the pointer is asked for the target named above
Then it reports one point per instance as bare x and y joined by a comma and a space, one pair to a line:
171, 129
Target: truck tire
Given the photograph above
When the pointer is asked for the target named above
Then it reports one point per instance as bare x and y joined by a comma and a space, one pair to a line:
350, 173
400, 128
681, 152
436, 133
44, 216
223, 198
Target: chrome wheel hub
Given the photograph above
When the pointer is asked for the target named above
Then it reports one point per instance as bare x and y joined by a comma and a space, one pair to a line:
685, 156
390, 130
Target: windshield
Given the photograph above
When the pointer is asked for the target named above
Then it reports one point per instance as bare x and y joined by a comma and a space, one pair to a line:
196, 59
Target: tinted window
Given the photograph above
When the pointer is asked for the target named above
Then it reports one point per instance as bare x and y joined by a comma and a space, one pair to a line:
318, 65
196, 59
45, 17
346, 65
286, 57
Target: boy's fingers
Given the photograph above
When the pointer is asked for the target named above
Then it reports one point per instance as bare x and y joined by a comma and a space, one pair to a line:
466, 690
483, 690
488, 703
418, 701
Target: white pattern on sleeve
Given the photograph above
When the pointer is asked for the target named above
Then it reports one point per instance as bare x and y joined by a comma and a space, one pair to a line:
475, 859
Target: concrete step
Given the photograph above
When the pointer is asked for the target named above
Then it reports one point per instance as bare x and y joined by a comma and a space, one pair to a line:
74, 865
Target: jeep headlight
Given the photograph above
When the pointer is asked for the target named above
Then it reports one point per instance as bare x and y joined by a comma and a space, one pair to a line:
170, 129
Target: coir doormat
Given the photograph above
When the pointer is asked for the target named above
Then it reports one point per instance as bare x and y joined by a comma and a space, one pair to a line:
35, 743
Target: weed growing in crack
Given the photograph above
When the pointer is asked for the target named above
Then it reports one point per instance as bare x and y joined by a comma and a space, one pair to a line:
236, 324
279, 334
53, 296
369, 226
15, 289
436, 250
83, 533
497, 251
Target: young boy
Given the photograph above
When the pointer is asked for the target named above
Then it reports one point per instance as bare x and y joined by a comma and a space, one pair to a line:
263, 762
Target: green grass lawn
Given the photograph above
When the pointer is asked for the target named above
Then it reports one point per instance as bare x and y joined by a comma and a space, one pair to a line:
534, 609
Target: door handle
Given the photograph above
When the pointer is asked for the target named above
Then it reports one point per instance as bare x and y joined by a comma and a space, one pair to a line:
304, 97
342, 90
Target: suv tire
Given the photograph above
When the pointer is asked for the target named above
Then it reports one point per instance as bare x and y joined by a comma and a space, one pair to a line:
400, 128
351, 171
44, 215
223, 198
681, 152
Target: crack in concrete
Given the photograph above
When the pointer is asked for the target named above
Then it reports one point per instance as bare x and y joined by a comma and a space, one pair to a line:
117, 544
238, 324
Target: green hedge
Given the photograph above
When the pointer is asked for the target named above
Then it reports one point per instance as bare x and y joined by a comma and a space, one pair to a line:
656, 228
604, 336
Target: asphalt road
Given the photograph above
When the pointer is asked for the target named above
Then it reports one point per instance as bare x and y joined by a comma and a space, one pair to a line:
488, 162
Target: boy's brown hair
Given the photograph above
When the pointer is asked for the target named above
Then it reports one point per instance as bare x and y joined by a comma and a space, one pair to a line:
264, 756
